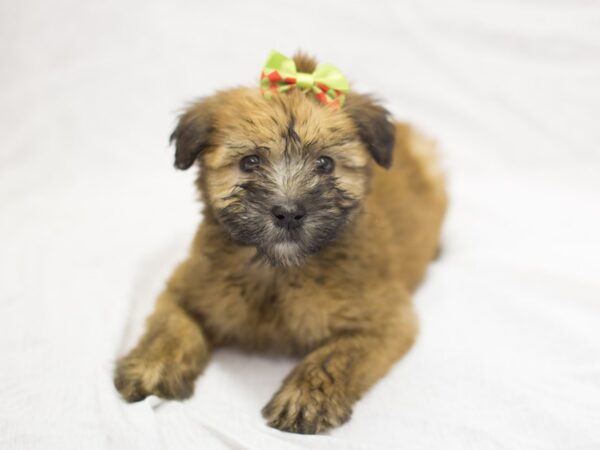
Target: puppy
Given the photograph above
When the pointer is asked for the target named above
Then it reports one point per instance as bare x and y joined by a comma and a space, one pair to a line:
319, 222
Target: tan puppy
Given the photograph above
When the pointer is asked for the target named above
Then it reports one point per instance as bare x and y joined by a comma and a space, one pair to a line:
307, 248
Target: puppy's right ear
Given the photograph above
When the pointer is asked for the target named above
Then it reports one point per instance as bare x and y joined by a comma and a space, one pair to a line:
192, 134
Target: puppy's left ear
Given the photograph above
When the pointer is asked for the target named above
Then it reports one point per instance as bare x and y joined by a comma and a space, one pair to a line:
374, 126
192, 134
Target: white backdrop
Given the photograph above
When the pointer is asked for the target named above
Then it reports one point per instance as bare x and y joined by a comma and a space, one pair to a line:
93, 217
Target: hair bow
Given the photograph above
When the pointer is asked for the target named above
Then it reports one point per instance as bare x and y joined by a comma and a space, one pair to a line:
327, 83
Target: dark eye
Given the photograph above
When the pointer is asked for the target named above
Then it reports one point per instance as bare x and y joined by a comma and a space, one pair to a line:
325, 165
249, 163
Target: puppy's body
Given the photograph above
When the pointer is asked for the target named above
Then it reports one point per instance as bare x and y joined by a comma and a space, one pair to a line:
339, 294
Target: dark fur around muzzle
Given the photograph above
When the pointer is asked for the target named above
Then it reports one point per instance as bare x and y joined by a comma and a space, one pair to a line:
249, 219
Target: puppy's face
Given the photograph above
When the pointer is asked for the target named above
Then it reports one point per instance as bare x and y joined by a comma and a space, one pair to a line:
285, 175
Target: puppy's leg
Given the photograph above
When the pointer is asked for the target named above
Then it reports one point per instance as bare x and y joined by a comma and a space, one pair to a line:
168, 358
319, 393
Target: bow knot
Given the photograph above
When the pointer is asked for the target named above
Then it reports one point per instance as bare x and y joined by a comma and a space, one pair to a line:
327, 83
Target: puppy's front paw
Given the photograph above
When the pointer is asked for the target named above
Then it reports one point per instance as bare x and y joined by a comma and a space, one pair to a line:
308, 403
136, 379
138, 376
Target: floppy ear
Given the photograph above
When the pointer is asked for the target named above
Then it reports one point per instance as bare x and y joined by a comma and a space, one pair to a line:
192, 134
374, 126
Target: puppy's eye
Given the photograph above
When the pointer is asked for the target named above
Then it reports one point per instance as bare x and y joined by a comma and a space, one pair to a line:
249, 163
325, 165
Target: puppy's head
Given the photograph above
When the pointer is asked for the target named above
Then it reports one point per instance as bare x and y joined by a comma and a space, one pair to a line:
287, 174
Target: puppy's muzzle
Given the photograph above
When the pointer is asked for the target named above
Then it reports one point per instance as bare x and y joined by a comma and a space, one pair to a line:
288, 217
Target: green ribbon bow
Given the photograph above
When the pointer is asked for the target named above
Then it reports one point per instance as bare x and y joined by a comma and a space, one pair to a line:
327, 83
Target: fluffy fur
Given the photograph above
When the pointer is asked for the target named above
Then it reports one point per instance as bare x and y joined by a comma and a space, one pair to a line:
335, 290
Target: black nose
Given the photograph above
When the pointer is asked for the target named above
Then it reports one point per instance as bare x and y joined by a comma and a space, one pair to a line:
288, 217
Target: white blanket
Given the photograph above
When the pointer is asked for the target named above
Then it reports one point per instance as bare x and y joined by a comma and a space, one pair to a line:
93, 217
